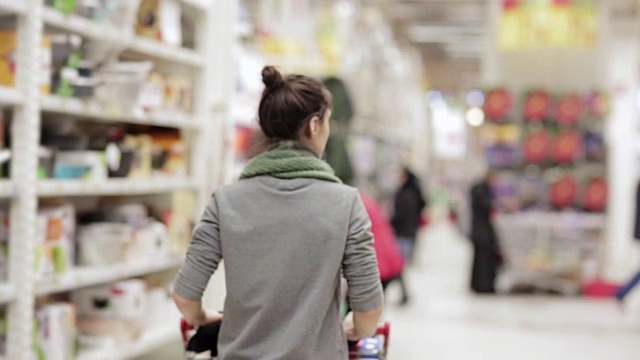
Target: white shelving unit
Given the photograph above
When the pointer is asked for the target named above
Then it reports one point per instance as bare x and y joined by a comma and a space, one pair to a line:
89, 276
148, 341
7, 293
12, 7
209, 64
9, 96
94, 111
159, 185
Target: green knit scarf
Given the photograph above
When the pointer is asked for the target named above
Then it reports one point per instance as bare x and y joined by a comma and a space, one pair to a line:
289, 160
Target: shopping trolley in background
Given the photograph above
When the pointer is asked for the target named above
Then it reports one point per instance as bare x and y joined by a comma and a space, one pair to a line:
201, 343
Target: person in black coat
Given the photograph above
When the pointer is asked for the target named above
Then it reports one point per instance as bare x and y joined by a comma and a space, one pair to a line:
408, 210
486, 258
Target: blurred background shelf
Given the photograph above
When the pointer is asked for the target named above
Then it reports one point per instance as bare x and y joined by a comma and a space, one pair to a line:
153, 185
9, 96
81, 277
156, 49
94, 111
127, 40
12, 6
85, 27
149, 341
7, 293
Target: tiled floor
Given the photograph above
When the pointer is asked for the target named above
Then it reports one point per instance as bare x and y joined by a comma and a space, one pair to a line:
444, 321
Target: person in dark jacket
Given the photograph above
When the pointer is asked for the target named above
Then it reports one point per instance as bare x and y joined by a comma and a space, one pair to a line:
409, 204
486, 259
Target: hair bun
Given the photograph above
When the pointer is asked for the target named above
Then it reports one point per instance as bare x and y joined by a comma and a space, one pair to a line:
271, 77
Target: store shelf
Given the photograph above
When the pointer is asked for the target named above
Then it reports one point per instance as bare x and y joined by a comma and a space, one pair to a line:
197, 4
7, 293
9, 96
85, 27
159, 50
13, 7
150, 340
152, 48
94, 111
153, 185
89, 276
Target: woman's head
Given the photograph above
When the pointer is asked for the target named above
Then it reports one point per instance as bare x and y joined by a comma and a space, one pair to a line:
295, 107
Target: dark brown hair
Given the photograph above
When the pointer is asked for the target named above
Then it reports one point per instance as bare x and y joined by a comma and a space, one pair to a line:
288, 103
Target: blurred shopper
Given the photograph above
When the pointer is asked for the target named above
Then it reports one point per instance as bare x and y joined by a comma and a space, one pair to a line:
286, 231
486, 255
409, 204
390, 258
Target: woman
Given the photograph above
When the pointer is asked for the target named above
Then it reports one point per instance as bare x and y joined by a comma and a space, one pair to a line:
286, 231
408, 210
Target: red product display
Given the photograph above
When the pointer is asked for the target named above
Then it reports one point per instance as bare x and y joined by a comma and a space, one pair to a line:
536, 147
537, 106
568, 147
570, 110
595, 195
498, 103
563, 192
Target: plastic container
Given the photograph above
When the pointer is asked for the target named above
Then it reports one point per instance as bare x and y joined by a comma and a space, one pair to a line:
103, 244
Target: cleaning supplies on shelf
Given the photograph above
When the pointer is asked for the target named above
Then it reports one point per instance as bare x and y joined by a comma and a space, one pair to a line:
57, 332
80, 165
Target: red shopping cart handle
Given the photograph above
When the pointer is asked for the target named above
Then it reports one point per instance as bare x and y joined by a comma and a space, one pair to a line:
185, 327
384, 329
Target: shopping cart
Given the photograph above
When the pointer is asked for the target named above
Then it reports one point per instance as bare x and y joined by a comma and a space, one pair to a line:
201, 343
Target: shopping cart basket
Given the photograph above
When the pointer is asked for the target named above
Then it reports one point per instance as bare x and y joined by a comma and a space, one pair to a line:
201, 343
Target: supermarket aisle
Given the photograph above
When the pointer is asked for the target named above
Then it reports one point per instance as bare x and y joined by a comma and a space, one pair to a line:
444, 321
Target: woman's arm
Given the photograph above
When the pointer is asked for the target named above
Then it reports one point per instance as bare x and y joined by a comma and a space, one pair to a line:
360, 268
202, 259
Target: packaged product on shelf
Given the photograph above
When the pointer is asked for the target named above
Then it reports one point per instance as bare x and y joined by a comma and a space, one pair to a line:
153, 92
116, 311
64, 6
170, 14
179, 219
178, 93
80, 165
3, 330
102, 244
4, 245
56, 227
8, 49
121, 84
149, 242
142, 146
174, 149
57, 332
148, 23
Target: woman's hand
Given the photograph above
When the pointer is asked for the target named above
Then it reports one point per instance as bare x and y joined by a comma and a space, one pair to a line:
207, 317
350, 328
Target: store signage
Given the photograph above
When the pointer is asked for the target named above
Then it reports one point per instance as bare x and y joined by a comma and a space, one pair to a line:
542, 24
